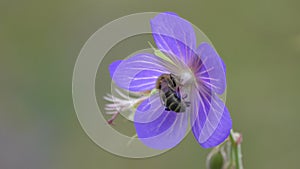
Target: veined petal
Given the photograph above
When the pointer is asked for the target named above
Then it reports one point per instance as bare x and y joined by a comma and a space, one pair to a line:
210, 119
174, 36
149, 110
113, 66
139, 72
164, 132
212, 69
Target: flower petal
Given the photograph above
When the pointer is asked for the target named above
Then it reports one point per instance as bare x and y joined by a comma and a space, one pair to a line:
138, 73
212, 71
149, 110
113, 66
174, 35
164, 132
210, 119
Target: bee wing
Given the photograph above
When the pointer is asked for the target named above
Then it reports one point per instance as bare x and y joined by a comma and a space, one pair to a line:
162, 97
210, 119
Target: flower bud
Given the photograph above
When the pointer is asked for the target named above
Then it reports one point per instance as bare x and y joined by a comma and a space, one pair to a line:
215, 161
219, 157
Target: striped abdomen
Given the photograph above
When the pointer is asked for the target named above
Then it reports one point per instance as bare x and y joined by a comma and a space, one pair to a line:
169, 93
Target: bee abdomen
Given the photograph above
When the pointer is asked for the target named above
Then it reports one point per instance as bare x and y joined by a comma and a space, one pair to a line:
169, 93
172, 102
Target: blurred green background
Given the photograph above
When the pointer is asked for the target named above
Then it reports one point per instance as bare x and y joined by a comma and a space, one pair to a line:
259, 41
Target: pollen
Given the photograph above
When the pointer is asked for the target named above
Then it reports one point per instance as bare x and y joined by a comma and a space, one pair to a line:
187, 78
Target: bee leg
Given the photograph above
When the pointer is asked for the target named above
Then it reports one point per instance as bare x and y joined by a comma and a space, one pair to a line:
187, 104
167, 109
184, 96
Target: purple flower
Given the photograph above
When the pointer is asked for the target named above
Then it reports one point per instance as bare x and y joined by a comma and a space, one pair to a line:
200, 78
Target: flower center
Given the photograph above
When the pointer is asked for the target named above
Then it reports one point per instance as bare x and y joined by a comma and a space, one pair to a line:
187, 78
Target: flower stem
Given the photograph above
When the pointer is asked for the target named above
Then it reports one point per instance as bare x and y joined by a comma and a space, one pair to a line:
236, 152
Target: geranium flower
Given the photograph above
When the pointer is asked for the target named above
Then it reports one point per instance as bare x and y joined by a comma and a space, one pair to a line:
201, 78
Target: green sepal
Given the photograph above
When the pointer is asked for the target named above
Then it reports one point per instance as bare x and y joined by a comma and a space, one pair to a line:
160, 54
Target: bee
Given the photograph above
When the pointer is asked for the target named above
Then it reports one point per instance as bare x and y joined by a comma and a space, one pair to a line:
169, 89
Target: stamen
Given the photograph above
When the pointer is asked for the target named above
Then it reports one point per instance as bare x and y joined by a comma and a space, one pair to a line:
205, 71
210, 84
123, 103
210, 78
110, 121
